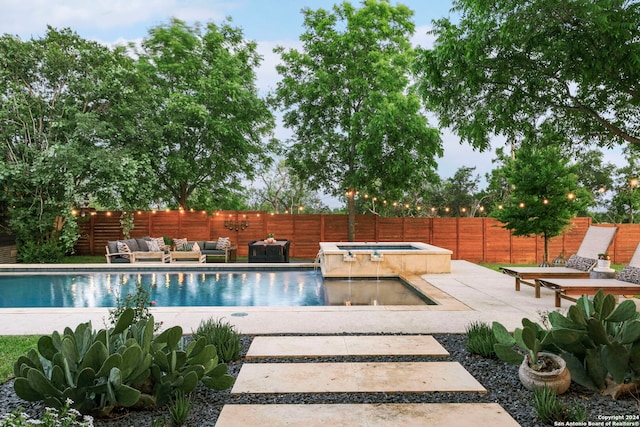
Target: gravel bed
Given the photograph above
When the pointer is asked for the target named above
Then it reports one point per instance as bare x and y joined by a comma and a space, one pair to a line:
500, 380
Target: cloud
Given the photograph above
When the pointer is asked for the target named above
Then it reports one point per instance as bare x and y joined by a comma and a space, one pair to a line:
101, 18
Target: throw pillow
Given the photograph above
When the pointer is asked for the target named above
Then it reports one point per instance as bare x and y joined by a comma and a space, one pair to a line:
195, 247
153, 246
180, 244
223, 244
123, 248
143, 245
188, 247
160, 242
630, 274
581, 263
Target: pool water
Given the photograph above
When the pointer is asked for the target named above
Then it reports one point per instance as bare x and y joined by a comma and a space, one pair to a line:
188, 289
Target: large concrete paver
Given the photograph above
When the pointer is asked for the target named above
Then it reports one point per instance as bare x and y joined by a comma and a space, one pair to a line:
367, 415
351, 345
355, 377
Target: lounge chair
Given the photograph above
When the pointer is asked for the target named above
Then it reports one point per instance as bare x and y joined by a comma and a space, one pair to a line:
597, 240
627, 283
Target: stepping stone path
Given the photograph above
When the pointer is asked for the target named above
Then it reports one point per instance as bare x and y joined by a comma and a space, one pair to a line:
357, 377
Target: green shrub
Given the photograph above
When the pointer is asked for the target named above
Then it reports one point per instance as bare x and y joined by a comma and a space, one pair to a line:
548, 407
180, 409
140, 301
48, 252
223, 336
480, 339
550, 410
123, 366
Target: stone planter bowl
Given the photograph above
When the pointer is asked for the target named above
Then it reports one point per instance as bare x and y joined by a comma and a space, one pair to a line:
558, 380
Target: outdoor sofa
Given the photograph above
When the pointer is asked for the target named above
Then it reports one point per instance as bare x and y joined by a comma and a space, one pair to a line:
135, 250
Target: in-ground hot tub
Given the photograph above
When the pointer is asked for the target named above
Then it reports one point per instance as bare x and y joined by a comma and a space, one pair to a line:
382, 259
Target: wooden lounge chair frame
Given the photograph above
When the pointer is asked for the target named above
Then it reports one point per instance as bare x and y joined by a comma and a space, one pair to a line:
569, 288
596, 240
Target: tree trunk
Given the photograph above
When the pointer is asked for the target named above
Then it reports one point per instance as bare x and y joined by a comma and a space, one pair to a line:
545, 261
351, 203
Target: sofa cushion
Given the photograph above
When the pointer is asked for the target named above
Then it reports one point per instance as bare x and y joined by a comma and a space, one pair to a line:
191, 247
209, 246
113, 247
142, 245
133, 244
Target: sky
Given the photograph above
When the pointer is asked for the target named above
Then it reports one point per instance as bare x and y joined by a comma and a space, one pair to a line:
270, 23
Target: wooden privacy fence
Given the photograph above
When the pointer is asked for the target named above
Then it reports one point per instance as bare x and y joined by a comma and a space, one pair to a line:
471, 239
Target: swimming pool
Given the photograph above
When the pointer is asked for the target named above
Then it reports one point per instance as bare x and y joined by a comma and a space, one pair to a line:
189, 289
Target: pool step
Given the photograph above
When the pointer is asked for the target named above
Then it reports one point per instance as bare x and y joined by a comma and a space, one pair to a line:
348, 345
366, 415
355, 377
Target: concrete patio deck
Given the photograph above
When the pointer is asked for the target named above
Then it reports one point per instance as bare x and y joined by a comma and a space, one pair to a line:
469, 293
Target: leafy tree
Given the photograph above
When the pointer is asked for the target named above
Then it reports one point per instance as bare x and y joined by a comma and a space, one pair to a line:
62, 99
624, 205
279, 190
544, 193
207, 120
509, 66
594, 175
497, 191
344, 95
461, 192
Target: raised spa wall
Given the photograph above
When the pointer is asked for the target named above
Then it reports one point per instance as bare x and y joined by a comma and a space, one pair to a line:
382, 259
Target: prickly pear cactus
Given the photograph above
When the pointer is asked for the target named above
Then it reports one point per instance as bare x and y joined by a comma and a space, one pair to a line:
601, 343
124, 366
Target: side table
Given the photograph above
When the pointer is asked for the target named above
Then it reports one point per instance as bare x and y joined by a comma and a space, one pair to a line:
602, 274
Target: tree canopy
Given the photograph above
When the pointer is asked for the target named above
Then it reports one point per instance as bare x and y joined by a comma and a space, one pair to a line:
544, 192
508, 66
62, 98
208, 123
344, 95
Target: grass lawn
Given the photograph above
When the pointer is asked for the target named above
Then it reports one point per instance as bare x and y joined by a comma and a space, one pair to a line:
12, 348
